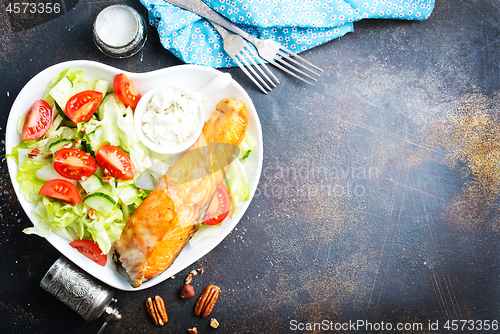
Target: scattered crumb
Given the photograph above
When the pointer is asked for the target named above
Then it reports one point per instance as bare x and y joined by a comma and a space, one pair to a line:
214, 323
189, 278
193, 330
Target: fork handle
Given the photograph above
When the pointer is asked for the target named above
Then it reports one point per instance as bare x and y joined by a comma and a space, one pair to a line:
202, 9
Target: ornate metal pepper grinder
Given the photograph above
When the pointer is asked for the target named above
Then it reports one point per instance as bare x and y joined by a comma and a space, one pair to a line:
80, 292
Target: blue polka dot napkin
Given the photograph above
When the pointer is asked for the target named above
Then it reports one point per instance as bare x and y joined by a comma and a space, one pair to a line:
297, 24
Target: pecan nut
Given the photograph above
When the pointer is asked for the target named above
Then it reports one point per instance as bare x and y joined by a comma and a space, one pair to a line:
156, 310
205, 304
92, 214
109, 180
33, 153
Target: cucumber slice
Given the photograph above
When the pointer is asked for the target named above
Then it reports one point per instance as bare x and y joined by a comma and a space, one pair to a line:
100, 111
126, 213
62, 92
100, 202
56, 146
55, 124
48, 173
102, 86
46, 96
92, 184
99, 172
88, 147
104, 104
127, 194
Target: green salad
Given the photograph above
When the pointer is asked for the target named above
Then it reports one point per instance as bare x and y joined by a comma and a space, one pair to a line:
81, 161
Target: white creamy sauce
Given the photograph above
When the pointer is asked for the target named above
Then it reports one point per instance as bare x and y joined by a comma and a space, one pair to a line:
171, 118
116, 26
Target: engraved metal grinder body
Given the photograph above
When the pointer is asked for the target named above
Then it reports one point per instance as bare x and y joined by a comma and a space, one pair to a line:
78, 291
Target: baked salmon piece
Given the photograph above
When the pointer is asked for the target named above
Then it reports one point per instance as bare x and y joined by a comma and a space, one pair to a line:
172, 213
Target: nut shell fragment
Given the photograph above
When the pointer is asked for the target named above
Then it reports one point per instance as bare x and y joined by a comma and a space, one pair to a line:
214, 323
189, 278
205, 304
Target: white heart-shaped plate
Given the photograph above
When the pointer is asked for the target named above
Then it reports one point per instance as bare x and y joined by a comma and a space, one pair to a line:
190, 77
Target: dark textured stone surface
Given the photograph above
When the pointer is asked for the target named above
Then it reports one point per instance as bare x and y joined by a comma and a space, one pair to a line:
379, 195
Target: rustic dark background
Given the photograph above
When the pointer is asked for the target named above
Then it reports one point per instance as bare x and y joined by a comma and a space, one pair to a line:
393, 217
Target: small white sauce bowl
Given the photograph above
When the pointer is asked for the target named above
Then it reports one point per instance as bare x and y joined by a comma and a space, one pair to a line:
215, 85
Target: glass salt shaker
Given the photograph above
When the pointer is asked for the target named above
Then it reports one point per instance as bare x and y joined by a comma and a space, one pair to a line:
119, 31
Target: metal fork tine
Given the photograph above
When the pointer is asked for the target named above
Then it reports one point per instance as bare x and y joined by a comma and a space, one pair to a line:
291, 57
243, 68
255, 75
252, 60
293, 54
291, 67
289, 72
256, 56
236, 47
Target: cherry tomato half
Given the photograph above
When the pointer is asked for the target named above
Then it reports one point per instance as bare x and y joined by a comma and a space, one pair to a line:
219, 207
125, 90
38, 120
91, 250
115, 162
62, 190
74, 164
81, 106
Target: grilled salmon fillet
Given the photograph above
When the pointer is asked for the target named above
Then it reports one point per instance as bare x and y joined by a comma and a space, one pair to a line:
172, 213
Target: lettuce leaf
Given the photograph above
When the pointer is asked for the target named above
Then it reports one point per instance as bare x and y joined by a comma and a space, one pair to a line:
81, 82
29, 184
106, 230
104, 132
15, 150
71, 222
237, 185
42, 225
247, 145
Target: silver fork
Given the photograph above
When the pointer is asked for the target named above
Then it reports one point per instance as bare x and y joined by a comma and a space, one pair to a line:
269, 50
242, 53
